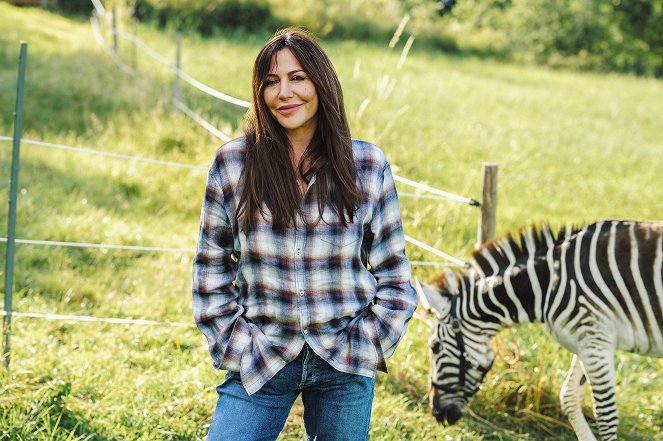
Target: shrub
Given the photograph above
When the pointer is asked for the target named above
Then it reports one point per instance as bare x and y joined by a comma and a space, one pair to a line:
83, 7
207, 17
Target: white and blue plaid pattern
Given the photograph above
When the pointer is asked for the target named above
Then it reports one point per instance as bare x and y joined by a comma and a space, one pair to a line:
258, 297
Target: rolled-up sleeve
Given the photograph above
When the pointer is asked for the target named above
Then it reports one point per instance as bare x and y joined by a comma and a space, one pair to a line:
396, 299
215, 296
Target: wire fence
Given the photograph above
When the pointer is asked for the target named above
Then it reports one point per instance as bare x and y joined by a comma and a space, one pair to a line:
180, 74
99, 12
451, 260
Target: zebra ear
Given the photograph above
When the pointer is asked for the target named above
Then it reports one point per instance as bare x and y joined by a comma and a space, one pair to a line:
451, 282
431, 299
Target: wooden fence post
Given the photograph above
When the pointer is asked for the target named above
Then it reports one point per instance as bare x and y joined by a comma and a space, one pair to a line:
114, 30
134, 58
178, 52
13, 192
488, 217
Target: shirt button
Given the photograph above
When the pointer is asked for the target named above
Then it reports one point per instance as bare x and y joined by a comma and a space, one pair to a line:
299, 251
301, 293
305, 331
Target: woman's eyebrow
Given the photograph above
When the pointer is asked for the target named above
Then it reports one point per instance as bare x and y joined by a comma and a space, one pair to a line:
271, 74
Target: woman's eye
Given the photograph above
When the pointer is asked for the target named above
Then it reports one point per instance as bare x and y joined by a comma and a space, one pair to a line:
270, 82
298, 78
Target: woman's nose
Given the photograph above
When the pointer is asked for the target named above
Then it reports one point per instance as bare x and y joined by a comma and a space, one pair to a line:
284, 90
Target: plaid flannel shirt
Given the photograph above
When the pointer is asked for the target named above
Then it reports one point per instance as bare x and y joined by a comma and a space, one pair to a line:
346, 292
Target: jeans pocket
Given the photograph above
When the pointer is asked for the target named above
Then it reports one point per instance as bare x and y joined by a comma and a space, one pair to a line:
230, 376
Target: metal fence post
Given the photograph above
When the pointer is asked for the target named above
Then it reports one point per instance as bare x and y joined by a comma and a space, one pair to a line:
488, 203
13, 191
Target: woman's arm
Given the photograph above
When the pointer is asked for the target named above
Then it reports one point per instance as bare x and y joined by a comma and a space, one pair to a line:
396, 299
216, 310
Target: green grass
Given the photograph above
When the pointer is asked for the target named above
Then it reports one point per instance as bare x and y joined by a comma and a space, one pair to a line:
571, 147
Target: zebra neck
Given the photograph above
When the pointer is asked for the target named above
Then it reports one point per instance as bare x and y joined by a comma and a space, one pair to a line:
513, 295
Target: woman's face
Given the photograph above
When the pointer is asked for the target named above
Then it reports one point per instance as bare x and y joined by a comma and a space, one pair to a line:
291, 96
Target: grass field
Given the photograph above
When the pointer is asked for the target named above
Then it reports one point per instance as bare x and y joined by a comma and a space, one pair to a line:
571, 147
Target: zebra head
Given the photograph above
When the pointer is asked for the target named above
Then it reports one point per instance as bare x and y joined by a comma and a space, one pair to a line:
460, 354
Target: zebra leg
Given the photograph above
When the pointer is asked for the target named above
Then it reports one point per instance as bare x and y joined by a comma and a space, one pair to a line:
600, 371
571, 400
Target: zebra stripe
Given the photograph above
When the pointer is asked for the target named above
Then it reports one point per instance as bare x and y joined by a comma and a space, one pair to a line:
645, 306
555, 300
506, 318
603, 289
617, 277
658, 275
521, 313
533, 278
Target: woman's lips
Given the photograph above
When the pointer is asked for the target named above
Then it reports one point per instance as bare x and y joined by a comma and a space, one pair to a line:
287, 110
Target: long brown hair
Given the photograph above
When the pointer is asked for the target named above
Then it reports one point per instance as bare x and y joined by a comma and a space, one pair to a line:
268, 177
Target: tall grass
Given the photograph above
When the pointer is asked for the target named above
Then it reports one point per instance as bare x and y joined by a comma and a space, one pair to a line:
571, 148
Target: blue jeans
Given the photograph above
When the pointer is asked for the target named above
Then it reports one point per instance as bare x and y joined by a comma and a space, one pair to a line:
337, 406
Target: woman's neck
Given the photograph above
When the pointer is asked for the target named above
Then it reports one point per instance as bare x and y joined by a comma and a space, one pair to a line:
299, 142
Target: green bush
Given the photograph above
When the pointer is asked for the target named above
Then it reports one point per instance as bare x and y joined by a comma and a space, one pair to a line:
622, 35
207, 17
83, 7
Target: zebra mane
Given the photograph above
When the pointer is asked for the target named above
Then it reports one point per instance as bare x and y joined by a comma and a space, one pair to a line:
529, 239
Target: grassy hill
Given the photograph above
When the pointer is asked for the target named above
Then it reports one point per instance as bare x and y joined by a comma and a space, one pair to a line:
572, 147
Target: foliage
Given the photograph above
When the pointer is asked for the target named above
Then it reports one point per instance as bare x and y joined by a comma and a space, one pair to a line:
621, 35
341, 18
81, 7
571, 147
207, 16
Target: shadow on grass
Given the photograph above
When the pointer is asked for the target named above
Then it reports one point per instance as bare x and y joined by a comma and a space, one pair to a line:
49, 413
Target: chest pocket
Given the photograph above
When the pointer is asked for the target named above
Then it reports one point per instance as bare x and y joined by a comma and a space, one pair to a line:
332, 231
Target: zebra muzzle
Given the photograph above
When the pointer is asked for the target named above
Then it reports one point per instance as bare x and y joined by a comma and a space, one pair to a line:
448, 415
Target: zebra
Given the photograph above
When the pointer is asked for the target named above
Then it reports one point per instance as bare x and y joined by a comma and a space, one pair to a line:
597, 288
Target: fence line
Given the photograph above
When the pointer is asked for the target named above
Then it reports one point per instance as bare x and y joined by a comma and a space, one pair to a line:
163, 60
198, 119
103, 246
442, 193
434, 251
215, 93
89, 151
427, 263
413, 241
421, 196
173, 164
86, 318
147, 49
179, 72
96, 32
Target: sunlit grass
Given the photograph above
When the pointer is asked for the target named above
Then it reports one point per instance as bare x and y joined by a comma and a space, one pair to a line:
571, 147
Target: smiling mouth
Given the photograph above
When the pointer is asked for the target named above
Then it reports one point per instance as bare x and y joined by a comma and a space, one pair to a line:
287, 110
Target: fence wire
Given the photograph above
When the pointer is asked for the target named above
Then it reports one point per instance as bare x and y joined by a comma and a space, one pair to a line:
453, 260
90, 319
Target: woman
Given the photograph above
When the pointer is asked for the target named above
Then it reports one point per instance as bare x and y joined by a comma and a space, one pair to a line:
300, 282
